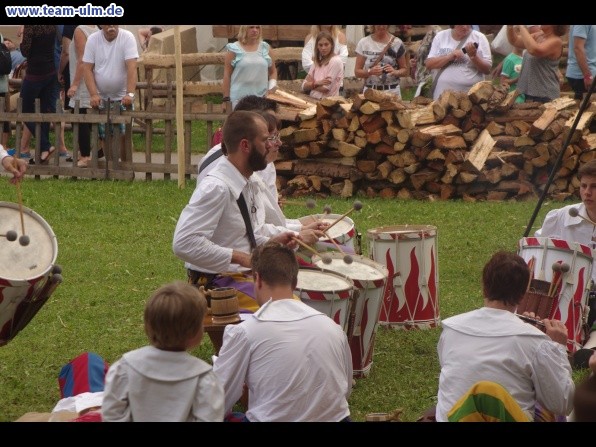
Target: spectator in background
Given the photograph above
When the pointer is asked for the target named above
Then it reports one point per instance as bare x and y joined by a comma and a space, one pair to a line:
40, 80
249, 69
381, 60
110, 70
78, 90
64, 80
4, 93
340, 44
539, 78
15, 53
459, 57
326, 73
145, 35
511, 69
581, 60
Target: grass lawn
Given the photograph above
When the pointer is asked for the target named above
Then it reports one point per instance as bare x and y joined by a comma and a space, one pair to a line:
114, 245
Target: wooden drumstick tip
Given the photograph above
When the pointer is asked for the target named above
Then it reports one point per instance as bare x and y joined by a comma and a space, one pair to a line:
310, 204
327, 209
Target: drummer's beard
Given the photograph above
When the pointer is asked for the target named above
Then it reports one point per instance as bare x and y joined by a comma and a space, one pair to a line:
257, 161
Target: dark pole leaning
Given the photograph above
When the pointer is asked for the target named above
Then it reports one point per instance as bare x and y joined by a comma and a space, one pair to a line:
582, 109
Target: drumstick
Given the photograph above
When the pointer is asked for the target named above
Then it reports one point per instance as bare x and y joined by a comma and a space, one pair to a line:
334, 243
19, 197
556, 269
574, 212
357, 206
564, 269
531, 263
308, 247
532, 320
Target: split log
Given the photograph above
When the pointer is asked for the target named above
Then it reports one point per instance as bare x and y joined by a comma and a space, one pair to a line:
540, 125
480, 151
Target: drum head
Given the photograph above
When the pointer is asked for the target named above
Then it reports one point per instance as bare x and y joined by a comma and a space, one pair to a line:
23, 263
341, 228
361, 268
321, 281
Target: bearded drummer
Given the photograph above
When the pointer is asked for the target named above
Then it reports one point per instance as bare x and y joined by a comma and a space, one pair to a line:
8, 163
577, 223
225, 218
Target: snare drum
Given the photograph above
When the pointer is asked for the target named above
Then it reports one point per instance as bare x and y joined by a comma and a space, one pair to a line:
565, 293
370, 279
409, 252
326, 291
343, 233
28, 275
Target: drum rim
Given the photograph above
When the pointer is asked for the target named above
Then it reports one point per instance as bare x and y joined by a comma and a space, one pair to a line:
50, 233
401, 229
543, 238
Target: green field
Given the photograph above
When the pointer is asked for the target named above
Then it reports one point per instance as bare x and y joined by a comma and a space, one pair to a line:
114, 245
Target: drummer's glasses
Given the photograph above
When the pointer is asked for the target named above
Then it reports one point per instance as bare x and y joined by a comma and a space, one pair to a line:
274, 139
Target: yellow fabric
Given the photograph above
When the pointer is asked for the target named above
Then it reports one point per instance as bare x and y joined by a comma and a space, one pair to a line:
487, 402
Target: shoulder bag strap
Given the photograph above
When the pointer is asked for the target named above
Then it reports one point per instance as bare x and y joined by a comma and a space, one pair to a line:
244, 210
214, 156
382, 53
436, 78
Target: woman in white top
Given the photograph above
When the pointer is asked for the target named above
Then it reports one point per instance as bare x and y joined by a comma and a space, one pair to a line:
339, 41
460, 57
381, 60
249, 69
325, 75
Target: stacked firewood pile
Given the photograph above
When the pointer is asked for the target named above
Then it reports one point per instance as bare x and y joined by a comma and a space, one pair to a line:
474, 146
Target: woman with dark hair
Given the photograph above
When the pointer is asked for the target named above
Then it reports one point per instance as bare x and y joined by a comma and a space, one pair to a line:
539, 77
493, 345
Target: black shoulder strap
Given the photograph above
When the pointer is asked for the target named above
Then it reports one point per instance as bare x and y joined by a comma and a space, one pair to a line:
244, 210
214, 156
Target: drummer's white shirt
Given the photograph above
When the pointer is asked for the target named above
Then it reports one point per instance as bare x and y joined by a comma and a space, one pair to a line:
496, 345
273, 213
558, 224
210, 227
295, 360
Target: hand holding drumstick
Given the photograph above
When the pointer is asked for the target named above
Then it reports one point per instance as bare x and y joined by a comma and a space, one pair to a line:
16, 166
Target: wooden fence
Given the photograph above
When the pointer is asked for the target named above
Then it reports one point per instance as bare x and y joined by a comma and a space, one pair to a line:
157, 105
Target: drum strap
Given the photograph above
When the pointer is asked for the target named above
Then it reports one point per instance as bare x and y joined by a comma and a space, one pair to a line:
244, 210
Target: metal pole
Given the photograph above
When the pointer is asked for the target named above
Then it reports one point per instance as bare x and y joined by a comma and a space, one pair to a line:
582, 109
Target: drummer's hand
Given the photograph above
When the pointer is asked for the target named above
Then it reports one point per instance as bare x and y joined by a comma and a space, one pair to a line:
316, 225
311, 237
286, 238
18, 171
529, 314
556, 330
241, 258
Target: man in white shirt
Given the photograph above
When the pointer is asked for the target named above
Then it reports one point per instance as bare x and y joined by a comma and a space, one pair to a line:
110, 69
295, 361
211, 235
7, 163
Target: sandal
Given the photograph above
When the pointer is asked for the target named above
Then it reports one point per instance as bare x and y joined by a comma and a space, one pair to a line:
47, 154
